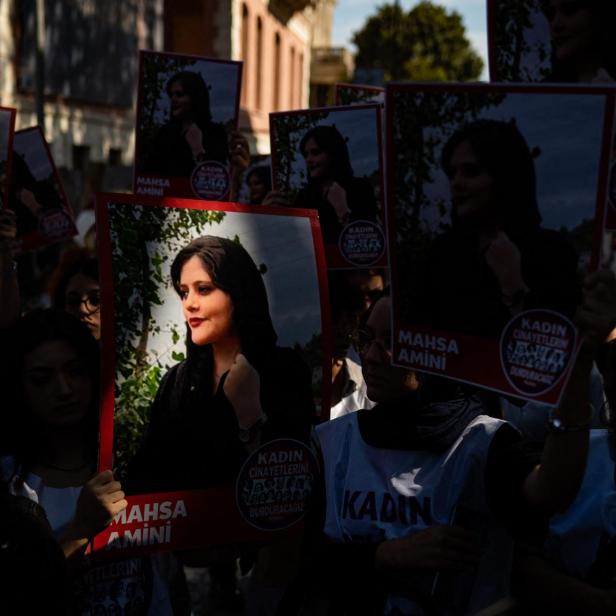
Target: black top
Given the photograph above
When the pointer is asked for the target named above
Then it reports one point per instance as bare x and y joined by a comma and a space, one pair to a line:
360, 200
170, 155
192, 438
461, 294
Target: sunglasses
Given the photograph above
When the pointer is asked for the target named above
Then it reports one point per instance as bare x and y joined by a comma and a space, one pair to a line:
91, 300
566, 8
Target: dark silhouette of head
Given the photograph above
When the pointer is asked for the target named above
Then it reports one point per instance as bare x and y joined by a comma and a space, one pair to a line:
503, 153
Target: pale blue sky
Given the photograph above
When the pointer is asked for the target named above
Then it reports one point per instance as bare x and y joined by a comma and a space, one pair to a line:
350, 16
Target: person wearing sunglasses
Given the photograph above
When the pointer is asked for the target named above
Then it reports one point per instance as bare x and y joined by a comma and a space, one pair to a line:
74, 288
582, 34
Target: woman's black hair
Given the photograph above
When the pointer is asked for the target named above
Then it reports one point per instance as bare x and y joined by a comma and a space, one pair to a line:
233, 271
604, 22
503, 152
32, 330
330, 140
79, 262
197, 89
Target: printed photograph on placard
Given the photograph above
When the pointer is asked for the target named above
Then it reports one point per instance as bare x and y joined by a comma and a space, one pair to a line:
354, 94
329, 160
187, 108
496, 204
559, 41
36, 194
212, 337
7, 131
555, 41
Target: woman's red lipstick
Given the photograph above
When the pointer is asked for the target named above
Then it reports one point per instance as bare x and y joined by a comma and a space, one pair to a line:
195, 322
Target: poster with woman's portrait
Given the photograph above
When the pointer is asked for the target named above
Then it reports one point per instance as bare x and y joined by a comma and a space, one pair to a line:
36, 194
329, 160
355, 94
7, 131
556, 41
212, 341
187, 109
496, 205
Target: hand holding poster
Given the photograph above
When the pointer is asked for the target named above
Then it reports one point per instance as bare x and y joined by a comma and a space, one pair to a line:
329, 160
212, 336
187, 108
495, 210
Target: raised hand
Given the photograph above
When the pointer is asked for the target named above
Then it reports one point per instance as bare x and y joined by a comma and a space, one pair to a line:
336, 195
242, 388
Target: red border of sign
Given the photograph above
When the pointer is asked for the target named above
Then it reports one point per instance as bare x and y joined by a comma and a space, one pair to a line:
9, 153
225, 525
34, 240
354, 86
334, 259
178, 183
485, 351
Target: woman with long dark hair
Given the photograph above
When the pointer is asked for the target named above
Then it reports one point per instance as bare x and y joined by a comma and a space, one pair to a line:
235, 388
332, 187
582, 36
496, 260
189, 136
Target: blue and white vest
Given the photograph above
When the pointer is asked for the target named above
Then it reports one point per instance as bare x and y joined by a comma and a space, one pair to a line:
575, 536
374, 494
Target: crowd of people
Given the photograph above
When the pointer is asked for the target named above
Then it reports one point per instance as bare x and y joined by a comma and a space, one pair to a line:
433, 496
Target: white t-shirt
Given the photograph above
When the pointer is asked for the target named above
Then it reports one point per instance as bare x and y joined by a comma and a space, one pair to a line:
118, 586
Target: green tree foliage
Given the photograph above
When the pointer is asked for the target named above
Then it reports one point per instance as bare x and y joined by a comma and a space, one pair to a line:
427, 43
512, 20
144, 239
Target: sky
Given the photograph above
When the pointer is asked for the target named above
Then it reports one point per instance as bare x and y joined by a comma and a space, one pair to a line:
350, 16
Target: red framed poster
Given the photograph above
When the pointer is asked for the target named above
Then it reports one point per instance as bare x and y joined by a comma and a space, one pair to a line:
36, 193
330, 160
187, 107
495, 205
549, 42
7, 133
215, 342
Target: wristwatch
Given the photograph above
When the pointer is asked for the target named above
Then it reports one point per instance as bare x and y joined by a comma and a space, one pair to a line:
558, 426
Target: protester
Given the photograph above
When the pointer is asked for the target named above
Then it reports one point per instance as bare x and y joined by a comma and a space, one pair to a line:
348, 392
74, 287
418, 488
259, 181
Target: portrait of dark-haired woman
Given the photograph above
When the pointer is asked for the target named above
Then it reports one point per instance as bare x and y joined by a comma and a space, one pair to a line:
582, 39
332, 187
235, 389
496, 259
189, 136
